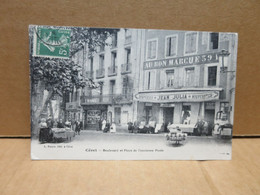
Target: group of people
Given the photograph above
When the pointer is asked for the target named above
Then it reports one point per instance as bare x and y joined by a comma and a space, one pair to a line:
202, 127
105, 126
45, 127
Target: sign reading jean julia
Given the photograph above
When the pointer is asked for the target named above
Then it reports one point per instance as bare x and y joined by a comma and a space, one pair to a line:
178, 97
180, 61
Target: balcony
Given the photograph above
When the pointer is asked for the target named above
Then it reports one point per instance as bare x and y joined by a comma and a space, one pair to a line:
112, 71
107, 99
90, 74
100, 73
126, 68
123, 98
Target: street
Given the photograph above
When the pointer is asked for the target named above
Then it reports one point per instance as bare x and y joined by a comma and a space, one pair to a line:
96, 145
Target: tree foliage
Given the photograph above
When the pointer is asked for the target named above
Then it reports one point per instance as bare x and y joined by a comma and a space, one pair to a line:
62, 75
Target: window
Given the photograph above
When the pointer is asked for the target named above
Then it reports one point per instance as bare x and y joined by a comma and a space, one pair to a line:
150, 80
189, 77
128, 33
101, 61
224, 106
190, 42
91, 63
128, 55
114, 61
171, 46
114, 40
151, 49
170, 78
212, 76
112, 87
213, 41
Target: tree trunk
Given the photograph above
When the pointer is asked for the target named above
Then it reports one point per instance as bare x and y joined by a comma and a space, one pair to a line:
35, 117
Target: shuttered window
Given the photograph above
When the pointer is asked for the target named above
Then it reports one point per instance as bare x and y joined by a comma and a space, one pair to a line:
191, 42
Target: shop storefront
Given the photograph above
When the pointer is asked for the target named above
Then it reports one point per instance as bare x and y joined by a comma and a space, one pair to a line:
178, 107
74, 111
93, 115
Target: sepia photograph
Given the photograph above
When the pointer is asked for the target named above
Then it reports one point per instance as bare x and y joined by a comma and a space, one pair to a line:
131, 94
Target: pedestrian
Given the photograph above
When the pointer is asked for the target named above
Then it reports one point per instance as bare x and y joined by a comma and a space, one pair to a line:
77, 127
100, 124
60, 124
130, 127
104, 122
113, 127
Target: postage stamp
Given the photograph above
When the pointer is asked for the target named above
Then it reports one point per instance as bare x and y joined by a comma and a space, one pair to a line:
51, 42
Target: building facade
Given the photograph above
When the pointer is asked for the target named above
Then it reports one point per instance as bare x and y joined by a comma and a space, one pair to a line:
115, 68
185, 78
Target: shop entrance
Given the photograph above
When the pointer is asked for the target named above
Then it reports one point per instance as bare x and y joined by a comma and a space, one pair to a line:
210, 114
117, 115
168, 115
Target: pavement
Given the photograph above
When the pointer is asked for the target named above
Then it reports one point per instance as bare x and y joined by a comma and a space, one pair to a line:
96, 145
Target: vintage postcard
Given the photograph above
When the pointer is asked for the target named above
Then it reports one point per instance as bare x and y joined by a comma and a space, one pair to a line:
131, 94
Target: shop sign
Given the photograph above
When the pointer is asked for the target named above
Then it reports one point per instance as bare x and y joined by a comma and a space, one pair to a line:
199, 96
72, 106
167, 105
180, 61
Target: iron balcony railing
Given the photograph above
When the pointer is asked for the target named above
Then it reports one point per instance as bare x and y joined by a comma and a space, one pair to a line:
112, 71
107, 99
100, 73
126, 68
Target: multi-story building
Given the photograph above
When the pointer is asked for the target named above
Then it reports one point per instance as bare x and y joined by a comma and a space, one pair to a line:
74, 110
115, 68
185, 77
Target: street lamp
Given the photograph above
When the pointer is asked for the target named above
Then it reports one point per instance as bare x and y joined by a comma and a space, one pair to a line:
223, 53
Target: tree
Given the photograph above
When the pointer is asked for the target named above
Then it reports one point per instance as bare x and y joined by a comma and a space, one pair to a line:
60, 76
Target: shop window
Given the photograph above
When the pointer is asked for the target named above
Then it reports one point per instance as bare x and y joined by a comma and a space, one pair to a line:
170, 78
212, 76
148, 113
189, 77
191, 42
224, 106
223, 114
213, 40
151, 49
186, 114
171, 46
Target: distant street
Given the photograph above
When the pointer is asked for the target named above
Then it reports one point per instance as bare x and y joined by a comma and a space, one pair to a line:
99, 145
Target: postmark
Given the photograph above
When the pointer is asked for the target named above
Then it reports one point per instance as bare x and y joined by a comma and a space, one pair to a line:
52, 42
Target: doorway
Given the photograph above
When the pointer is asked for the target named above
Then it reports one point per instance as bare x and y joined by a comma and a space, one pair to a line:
117, 115
168, 115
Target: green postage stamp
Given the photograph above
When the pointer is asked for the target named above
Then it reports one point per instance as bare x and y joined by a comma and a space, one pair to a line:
51, 42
